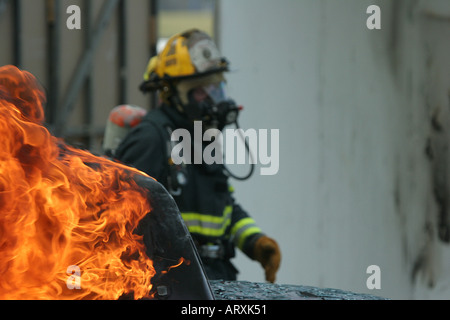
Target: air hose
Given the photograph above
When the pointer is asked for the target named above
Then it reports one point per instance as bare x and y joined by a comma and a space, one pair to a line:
252, 164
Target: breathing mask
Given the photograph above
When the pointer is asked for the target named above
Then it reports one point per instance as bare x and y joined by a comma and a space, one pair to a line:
209, 103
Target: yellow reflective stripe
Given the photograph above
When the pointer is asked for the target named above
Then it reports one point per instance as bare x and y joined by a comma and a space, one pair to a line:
241, 223
202, 217
243, 229
208, 225
209, 232
246, 234
230, 189
228, 211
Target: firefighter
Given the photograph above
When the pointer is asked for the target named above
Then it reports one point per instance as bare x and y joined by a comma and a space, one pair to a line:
189, 75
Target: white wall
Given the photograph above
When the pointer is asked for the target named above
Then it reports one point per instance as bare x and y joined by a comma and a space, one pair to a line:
354, 183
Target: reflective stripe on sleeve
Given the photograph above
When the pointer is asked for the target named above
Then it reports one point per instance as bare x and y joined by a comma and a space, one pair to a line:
242, 230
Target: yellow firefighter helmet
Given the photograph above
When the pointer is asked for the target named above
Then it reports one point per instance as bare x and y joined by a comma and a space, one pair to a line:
187, 55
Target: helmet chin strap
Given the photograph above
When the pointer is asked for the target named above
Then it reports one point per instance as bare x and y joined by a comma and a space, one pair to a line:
174, 98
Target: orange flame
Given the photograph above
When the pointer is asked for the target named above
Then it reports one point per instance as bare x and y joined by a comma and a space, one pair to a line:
63, 207
180, 262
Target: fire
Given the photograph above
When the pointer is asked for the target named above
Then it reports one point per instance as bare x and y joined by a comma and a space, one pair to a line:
180, 262
61, 207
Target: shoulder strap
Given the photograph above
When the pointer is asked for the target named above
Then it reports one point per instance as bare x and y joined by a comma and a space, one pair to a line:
166, 127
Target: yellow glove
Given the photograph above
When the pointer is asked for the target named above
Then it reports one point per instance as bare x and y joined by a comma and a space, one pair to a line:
268, 253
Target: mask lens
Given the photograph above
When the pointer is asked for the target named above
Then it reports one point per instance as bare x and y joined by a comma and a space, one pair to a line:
216, 92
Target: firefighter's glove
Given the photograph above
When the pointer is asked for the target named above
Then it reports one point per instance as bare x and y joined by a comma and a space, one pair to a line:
268, 253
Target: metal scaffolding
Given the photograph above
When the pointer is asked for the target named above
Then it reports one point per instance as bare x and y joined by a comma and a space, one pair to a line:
62, 101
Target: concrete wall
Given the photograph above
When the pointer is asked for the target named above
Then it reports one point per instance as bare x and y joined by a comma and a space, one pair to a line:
356, 185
